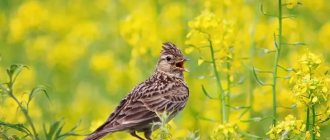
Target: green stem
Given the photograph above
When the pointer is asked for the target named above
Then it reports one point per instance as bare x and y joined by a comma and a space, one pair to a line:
313, 122
228, 90
251, 83
308, 107
218, 81
307, 119
277, 57
25, 112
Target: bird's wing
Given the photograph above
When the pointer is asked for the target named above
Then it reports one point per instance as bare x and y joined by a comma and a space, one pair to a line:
141, 108
171, 100
117, 112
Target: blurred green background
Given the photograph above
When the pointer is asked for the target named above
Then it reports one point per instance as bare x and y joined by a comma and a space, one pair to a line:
90, 54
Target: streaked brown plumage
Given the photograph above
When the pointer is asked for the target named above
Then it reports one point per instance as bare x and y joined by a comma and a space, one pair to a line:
164, 91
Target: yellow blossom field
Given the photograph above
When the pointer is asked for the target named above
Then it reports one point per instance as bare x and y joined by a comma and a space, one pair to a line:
258, 69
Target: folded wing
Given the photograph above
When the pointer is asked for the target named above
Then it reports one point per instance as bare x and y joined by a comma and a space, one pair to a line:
138, 110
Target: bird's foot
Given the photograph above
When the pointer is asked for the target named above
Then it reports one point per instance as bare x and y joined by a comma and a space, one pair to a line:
147, 134
135, 135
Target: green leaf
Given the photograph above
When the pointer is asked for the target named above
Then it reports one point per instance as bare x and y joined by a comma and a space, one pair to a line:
37, 90
14, 70
71, 132
56, 129
255, 119
249, 135
45, 130
295, 44
53, 128
207, 119
206, 93
18, 127
256, 77
245, 110
58, 132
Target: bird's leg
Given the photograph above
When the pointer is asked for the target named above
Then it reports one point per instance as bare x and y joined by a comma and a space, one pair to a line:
135, 135
147, 134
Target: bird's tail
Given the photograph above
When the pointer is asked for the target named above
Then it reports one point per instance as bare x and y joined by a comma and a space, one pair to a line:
96, 135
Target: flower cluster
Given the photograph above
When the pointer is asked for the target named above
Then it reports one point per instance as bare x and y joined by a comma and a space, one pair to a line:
208, 29
225, 131
309, 86
205, 26
310, 61
290, 128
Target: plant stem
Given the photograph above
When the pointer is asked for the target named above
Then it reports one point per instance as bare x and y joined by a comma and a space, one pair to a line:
307, 119
228, 90
308, 107
313, 122
277, 57
218, 81
25, 112
251, 83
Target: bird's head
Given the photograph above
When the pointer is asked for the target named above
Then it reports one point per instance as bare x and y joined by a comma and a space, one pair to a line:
171, 60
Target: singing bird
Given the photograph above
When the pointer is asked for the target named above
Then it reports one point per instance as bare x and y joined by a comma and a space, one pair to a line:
165, 91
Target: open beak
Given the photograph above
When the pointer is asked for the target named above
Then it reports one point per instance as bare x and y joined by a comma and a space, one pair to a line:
180, 64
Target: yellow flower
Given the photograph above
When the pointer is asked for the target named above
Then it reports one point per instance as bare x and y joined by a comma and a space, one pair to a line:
314, 100
307, 135
324, 89
29, 15
189, 50
200, 61
324, 35
102, 62
310, 86
206, 22
65, 54
206, 26
289, 128
311, 60
224, 131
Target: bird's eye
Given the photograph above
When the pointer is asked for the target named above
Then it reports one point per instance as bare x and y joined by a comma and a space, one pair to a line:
168, 58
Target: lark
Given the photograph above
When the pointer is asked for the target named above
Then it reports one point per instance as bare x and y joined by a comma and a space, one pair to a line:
165, 91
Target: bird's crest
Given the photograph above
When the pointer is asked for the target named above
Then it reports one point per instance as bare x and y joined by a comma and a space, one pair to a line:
170, 48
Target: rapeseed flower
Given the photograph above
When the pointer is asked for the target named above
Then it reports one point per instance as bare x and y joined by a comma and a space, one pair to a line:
290, 128
309, 85
226, 131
